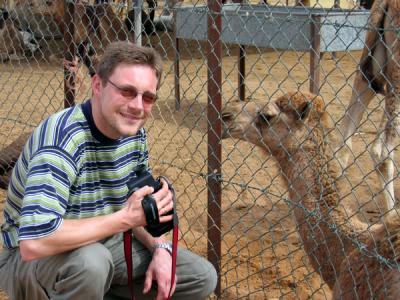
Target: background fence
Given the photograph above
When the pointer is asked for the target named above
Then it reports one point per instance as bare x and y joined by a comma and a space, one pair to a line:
232, 200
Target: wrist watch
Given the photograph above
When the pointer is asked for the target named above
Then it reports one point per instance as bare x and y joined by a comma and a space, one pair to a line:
166, 246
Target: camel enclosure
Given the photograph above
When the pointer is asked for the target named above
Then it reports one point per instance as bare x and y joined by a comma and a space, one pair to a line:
262, 253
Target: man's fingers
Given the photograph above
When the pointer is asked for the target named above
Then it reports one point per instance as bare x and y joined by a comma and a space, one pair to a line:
142, 192
162, 211
164, 191
165, 183
166, 218
147, 283
163, 290
165, 203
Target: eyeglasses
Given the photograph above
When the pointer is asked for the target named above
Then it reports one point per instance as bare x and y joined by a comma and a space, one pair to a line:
131, 92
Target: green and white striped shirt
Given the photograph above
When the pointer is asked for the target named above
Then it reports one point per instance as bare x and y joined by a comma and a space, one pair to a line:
68, 170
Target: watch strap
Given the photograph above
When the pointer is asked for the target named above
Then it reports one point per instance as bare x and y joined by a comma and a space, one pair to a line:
166, 246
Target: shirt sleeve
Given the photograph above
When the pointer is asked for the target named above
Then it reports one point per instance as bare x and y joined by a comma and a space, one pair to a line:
50, 174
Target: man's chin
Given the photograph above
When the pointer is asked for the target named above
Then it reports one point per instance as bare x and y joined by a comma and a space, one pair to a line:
130, 128
130, 132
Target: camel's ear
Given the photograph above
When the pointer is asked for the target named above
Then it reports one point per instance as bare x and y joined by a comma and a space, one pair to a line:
304, 110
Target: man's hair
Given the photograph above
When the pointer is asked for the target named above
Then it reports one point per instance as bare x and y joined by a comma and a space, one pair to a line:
125, 52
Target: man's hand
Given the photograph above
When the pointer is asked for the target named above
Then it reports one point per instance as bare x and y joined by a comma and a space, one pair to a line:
165, 202
133, 212
160, 271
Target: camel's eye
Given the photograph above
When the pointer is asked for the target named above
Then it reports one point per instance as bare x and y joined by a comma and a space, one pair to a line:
303, 111
264, 118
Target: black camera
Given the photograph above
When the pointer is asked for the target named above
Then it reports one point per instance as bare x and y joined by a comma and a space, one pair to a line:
154, 227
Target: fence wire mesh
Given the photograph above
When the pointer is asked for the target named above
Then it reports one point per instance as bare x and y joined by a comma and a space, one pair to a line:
262, 246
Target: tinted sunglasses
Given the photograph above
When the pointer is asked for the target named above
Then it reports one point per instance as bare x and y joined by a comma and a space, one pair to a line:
131, 93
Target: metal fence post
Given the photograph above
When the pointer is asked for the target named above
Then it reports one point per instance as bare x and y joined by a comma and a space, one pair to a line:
214, 62
69, 53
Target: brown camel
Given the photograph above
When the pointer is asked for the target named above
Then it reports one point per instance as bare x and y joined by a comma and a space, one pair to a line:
378, 73
96, 26
356, 260
99, 23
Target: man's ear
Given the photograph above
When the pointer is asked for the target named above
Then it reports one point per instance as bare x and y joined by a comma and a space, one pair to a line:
97, 84
304, 110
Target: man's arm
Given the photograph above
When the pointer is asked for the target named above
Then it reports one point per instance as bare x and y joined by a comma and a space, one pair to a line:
160, 266
146, 238
73, 234
70, 235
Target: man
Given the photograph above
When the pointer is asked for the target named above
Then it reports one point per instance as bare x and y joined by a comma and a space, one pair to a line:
67, 203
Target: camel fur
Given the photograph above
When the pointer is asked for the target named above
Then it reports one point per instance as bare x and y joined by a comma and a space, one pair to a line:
294, 130
378, 73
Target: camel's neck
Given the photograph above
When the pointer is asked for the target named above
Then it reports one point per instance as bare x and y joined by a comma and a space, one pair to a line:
311, 173
324, 226
311, 176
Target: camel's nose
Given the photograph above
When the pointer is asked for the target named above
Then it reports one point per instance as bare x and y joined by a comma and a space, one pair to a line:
227, 118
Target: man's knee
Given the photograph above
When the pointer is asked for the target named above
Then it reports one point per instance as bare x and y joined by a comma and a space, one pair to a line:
92, 263
197, 277
89, 268
208, 278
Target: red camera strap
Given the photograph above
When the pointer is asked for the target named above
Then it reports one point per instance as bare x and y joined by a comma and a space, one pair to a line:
129, 260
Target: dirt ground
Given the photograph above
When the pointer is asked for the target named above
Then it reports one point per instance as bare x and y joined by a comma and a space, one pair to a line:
262, 254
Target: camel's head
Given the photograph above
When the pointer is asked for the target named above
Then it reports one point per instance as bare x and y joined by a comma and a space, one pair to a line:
281, 124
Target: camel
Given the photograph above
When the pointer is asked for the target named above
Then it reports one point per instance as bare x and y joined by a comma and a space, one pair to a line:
355, 259
378, 73
99, 20
96, 26
13, 41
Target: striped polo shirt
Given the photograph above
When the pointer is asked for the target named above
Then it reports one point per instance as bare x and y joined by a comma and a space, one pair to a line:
68, 170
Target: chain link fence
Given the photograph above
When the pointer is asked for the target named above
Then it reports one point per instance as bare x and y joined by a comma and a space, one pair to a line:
233, 201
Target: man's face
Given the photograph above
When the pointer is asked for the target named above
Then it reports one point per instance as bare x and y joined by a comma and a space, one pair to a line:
123, 104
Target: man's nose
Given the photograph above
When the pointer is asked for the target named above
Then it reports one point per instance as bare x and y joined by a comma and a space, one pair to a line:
136, 102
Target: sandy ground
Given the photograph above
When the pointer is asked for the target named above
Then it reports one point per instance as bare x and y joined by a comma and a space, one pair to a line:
262, 255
